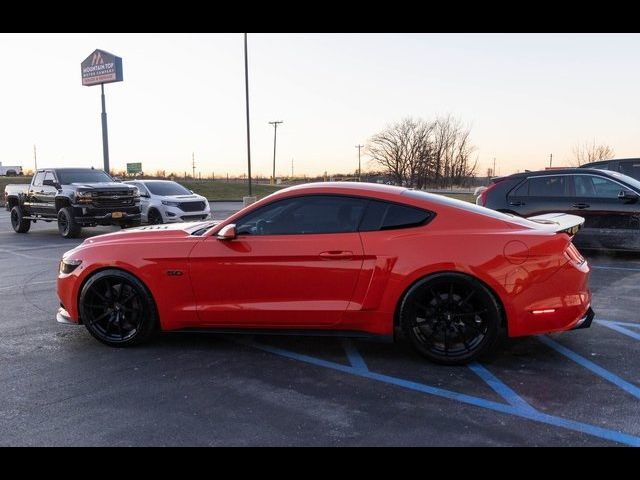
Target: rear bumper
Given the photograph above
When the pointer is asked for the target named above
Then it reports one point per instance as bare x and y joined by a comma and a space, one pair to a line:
63, 317
585, 322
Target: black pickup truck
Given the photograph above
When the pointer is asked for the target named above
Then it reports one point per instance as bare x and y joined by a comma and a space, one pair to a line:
73, 197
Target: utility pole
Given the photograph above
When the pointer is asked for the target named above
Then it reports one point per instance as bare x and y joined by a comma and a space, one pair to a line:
359, 174
494, 167
550, 159
246, 89
193, 165
275, 131
35, 158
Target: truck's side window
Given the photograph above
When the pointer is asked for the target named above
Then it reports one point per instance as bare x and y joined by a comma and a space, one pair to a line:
37, 181
49, 176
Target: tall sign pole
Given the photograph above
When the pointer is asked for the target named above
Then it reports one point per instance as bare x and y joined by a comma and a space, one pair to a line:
246, 89
97, 69
105, 134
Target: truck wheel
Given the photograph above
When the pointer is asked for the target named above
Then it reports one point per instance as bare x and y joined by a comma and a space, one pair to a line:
67, 225
18, 222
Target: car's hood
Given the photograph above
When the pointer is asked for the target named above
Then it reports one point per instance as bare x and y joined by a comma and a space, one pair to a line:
150, 233
103, 186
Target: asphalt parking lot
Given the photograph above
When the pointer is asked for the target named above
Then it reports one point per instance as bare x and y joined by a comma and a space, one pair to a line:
61, 387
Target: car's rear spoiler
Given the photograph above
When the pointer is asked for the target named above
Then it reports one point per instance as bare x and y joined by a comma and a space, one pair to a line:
559, 222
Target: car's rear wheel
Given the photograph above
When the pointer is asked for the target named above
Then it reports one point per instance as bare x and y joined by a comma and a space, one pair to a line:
117, 308
155, 218
67, 226
450, 318
18, 222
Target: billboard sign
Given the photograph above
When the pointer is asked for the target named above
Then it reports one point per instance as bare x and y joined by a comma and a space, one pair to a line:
101, 67
134, 168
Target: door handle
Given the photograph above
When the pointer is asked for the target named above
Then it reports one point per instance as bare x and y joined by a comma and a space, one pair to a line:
41, 191
517, 204
580, 205
336, 255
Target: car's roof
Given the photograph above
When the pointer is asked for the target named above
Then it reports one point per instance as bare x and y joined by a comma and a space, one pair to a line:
555, 171
360, 187
150, 181
71, 169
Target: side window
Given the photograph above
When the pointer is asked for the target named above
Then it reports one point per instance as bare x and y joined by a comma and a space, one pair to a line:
141, 187
548, 186
605, 188
521, 191
311, 214
631, 169
37, 182
49, 176
583, 186
387, 216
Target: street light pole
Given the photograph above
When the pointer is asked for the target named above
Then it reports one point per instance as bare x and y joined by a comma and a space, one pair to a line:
275, 131
359, 171
246, 88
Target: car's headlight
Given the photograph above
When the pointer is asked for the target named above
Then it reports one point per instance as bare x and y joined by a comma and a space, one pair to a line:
83, 197
170, 204
68, 265
136, 192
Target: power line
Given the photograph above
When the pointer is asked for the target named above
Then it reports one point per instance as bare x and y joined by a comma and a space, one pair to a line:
275, 132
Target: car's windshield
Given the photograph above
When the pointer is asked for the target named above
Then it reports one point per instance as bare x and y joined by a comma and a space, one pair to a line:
67, 177
626, 179
166, 189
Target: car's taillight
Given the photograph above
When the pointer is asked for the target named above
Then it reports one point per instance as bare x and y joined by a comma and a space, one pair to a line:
483, 194
574, 255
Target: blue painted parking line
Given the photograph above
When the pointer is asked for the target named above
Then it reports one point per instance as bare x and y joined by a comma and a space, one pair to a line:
621, 327
589, 365
604, 267
355, 359
500, 387
526, 413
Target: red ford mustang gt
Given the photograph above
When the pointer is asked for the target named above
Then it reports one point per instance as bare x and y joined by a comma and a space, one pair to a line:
347, 258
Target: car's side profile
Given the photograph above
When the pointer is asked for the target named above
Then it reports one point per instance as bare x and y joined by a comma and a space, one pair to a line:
609, 202
166, 201
347, 258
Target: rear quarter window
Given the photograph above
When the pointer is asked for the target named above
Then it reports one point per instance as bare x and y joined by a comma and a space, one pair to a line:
388, 216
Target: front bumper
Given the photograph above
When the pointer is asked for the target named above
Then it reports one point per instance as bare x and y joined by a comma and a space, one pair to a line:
107, 218
176, 215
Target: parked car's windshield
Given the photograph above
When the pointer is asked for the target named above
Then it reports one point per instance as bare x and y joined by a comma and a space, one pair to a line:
626, 179
166, 189
67, 177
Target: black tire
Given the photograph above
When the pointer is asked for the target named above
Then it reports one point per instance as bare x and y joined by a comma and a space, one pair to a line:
67, 225
18, 222
450, 318
154, 217
117, 309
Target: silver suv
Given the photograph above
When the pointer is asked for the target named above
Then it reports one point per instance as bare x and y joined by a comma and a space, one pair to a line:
164, 201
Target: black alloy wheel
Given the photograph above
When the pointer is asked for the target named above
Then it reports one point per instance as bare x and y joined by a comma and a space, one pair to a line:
154, 217
117, 309
450, 318
67, 226
18, 222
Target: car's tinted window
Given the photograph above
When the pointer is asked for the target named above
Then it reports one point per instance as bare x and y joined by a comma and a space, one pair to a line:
37, 182
548, 186
67, 177
304, 215
521, 191
167, 189
49, 176
386, 215
597, 187
630, 168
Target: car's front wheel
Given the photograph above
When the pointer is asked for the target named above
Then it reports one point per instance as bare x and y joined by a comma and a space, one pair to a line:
18, 222
450, 318
117, 308
67, 225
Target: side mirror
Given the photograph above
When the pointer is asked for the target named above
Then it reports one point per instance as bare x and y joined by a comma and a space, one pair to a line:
49, 183
628, 196
228, 232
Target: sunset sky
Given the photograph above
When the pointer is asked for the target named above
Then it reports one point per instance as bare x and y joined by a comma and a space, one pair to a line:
523, 95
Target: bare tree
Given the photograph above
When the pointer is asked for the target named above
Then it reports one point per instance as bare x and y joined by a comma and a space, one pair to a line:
590, 152
420, 153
